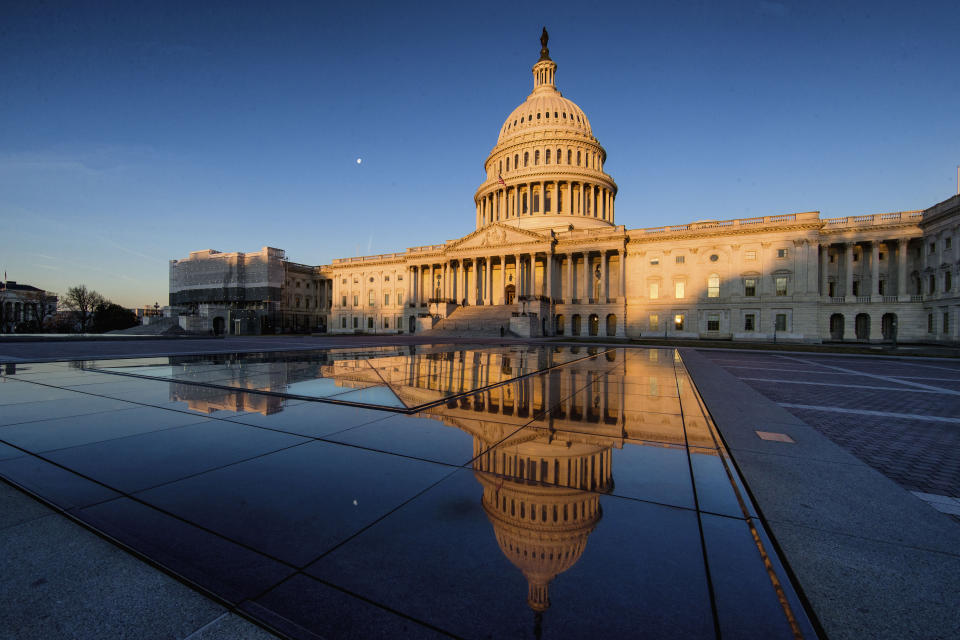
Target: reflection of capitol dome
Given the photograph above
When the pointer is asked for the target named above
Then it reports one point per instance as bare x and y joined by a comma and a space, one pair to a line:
540, 515
546, 171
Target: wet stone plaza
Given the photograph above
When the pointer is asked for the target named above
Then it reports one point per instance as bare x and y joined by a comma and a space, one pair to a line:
412, 491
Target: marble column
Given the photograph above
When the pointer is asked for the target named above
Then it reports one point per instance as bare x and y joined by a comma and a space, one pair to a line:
490, 298
623, 276
503, 279
549, 269
587, 288
824, 270
875, 271
568, 295
902, 249
848, 273
604, 285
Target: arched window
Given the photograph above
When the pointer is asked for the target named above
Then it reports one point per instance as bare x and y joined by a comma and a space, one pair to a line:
524, 202
569, 156
578, 158
536, 157
508, 164
501, 166
594, 324
536, 200
546, 159
516, 161
559, 156
526, 158
713, 286
538, 115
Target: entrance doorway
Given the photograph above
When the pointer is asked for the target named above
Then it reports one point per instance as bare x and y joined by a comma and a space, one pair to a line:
862, 326
836, 326
511, 294
889, 326
219, 324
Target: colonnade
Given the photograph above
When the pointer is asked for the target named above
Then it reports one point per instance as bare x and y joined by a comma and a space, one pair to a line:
543, 197
469, 280
879, 283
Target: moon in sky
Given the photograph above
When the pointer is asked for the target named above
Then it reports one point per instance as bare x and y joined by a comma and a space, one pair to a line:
359, 160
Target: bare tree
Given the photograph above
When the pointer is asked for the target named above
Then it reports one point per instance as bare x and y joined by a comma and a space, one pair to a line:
82, 302
39, 308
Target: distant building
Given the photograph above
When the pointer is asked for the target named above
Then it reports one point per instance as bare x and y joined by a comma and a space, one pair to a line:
247, 293
547, 258
24, 307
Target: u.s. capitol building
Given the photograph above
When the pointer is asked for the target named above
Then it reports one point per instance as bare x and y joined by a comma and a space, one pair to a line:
547, 257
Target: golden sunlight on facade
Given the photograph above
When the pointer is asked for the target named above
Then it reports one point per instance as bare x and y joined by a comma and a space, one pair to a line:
547, 258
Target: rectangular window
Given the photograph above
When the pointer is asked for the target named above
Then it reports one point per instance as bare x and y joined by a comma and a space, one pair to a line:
678, 289
343, 301
356, 322
781, 253
371, 300
882, 287
933, 247
750, 287
654, 261
399, 298
678, 322
750, 255
654, 290
343, 323
386, 299
713, 322
948, 243
680, 259
386, 323
833, 258
781, 282
856, 256
749, 322
654, 322
356, 300
713, 286
369, 323
780, 322
856, 287
929, 323
946, 322
832, 289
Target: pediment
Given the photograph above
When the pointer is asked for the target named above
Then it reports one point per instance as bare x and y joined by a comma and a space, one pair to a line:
497, 235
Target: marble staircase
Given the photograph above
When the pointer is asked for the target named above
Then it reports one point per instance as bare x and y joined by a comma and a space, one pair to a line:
480, 320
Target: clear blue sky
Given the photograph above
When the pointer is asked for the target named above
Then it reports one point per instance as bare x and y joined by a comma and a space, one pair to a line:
132, 133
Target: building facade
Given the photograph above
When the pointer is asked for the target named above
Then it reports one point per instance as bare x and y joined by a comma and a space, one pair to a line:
24, 307
248, 293
547, 257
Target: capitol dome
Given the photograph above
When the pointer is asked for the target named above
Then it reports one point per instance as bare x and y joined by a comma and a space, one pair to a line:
546, 110
546, 170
